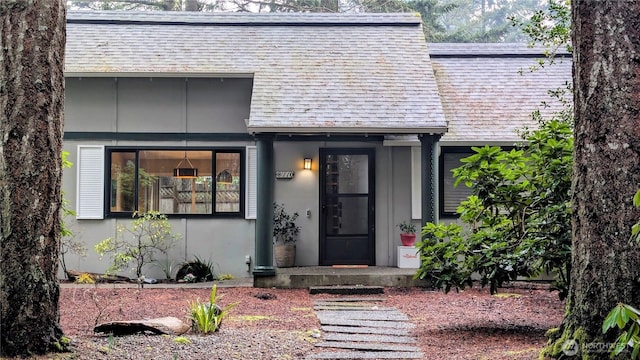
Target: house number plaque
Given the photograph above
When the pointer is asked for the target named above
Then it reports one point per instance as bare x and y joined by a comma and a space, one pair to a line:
284, 174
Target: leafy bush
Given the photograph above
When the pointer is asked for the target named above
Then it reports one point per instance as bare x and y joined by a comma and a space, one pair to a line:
518, 220
149, 233
207, 316
285, 229
198, 271
68, 243
623, 316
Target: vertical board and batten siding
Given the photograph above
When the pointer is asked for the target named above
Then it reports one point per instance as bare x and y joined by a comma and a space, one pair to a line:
90, 182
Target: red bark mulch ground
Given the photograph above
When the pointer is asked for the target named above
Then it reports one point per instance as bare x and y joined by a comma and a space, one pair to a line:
467, 325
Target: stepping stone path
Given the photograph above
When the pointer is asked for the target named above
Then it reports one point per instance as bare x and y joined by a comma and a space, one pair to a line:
363, 328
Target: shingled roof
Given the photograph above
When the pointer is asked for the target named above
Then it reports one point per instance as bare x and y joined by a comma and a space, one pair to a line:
488, 91
350, 73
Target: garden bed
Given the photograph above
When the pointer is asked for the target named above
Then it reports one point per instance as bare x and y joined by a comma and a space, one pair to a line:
277, 324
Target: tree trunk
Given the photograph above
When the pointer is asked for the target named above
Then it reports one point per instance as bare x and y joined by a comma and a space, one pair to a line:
32, 43
605, 264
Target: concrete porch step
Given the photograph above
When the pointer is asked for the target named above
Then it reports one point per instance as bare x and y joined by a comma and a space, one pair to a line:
357, 355
346, 290
306, 277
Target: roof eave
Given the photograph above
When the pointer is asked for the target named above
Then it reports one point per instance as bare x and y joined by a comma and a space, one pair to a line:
155, 74
348, 130
466, 143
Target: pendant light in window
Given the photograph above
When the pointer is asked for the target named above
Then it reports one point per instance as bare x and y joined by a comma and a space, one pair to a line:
224, 177
181, 172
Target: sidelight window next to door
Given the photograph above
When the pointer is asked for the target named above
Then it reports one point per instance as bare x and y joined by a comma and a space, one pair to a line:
347, 206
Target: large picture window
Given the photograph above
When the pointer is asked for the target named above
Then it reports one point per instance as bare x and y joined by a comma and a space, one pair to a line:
176, 181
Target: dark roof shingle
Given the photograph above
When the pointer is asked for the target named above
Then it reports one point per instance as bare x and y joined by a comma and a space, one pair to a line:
311, 72
488, 91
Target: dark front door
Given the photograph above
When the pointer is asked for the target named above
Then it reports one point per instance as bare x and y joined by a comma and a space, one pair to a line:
347, 207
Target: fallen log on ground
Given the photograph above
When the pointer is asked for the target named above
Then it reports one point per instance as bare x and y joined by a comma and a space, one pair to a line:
166, 325
73, 275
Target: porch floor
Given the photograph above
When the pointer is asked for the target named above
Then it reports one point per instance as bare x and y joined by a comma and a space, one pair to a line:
305, 277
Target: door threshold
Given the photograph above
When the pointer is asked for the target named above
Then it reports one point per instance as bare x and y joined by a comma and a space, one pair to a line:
350, 266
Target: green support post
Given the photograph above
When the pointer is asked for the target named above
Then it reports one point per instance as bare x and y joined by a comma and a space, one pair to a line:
264, 216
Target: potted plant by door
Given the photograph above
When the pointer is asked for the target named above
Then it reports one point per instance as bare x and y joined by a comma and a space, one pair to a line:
285, 232
407, 233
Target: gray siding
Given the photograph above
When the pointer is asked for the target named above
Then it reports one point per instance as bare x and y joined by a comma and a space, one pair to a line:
157, 105
90, 104
218, 104
151, 105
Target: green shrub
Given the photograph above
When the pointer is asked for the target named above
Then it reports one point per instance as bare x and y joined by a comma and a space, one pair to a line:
197, 270
518, 220
624, 317
68, 243
149, 233
207, 317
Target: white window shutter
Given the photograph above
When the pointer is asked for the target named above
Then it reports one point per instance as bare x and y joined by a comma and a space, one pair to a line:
416, 183
90, 182
251, 205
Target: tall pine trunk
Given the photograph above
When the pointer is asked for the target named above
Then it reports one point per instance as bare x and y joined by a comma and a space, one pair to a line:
32, 44
605, 264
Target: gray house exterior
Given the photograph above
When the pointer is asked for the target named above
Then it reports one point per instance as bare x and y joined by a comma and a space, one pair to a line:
244, 98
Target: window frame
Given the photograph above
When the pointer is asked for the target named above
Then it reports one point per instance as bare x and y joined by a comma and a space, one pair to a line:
240, 150
455, 150
448, 150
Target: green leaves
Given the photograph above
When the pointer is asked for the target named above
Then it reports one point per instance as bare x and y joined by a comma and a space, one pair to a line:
636, 199
635, 229
518, 220
207, 317
147, 235
619, 316
285, 229
624, 317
